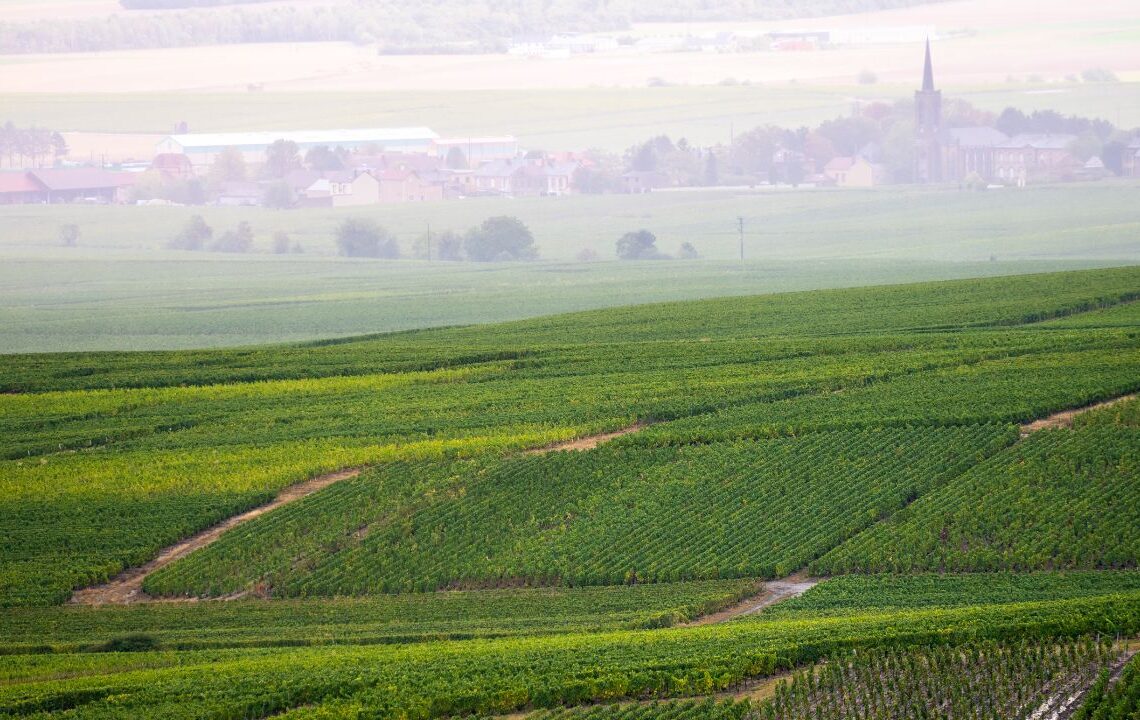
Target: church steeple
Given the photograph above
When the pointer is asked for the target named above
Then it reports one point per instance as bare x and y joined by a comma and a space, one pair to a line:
928, 71
928, 127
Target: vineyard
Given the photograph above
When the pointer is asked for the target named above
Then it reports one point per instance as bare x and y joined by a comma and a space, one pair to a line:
374, 620
860, 594
1058, 499
876, 438
1112, 698
437, 679
609, 516
1011, 681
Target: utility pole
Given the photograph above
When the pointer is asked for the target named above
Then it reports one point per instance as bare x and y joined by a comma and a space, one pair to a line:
740, 224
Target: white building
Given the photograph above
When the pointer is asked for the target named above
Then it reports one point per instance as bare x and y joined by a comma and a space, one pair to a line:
203, 148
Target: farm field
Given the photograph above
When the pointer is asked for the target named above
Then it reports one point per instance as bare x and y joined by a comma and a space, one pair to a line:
873, 442
120, 290
124, 126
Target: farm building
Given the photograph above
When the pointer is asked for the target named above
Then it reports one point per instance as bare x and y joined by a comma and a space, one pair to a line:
63, 185
18, 187
203, 148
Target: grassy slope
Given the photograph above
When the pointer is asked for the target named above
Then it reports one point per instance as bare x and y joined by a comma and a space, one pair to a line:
135, 298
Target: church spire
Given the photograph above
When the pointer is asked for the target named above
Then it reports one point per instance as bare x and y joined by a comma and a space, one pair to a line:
928, 71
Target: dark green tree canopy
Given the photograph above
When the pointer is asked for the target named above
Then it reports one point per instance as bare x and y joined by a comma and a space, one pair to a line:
193, 235
638, 245
501, 238
359, 237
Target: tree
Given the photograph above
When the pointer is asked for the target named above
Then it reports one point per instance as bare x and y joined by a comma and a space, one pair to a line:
281, 242
455, 160
69, 235
228, 166
1087, 145
587, 255
281, 158
500, 238
638, 245
599, 173
448, 246
322, 159
235, 241
193, 235
358, 237
687, 251
277, 195
712, 171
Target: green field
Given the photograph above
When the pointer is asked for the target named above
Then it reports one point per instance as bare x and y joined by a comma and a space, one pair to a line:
858, 430
120, 290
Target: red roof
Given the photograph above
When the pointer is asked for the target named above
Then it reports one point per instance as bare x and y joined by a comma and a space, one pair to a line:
18, 182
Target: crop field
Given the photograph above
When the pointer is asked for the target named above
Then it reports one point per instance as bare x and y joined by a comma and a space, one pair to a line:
123, 126
871, 446
120, 290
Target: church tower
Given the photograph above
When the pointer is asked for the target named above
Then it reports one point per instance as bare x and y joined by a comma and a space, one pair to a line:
928, 127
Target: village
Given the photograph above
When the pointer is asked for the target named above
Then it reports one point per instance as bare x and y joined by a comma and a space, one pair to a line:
878, 144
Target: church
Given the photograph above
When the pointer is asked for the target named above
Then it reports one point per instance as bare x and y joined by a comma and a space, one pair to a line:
961, 154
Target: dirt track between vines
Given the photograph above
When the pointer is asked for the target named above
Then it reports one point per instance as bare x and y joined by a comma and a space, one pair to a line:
1064, 419
773, 592
126, 587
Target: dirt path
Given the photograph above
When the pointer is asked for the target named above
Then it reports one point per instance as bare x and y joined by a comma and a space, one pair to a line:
1064, 418
127, 586
773, 592
588, 442
1065, 705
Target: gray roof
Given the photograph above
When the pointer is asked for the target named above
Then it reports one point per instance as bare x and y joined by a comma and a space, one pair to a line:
1039, 141
978, 137
333, 138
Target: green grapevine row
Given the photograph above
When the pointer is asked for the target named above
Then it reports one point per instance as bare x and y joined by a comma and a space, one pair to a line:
427, 680
1059, 499
608, 516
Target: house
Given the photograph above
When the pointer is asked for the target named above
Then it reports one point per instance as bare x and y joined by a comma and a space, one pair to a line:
173, 166
1130, 159
854, 172
560, 177
497, 178
643, 181
240, 194
1093, 169
397, 186
18, 187
63, 185
1035, 157
341, 188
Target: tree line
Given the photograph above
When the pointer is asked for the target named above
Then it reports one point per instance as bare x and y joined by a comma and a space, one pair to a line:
393, 25
22, 147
